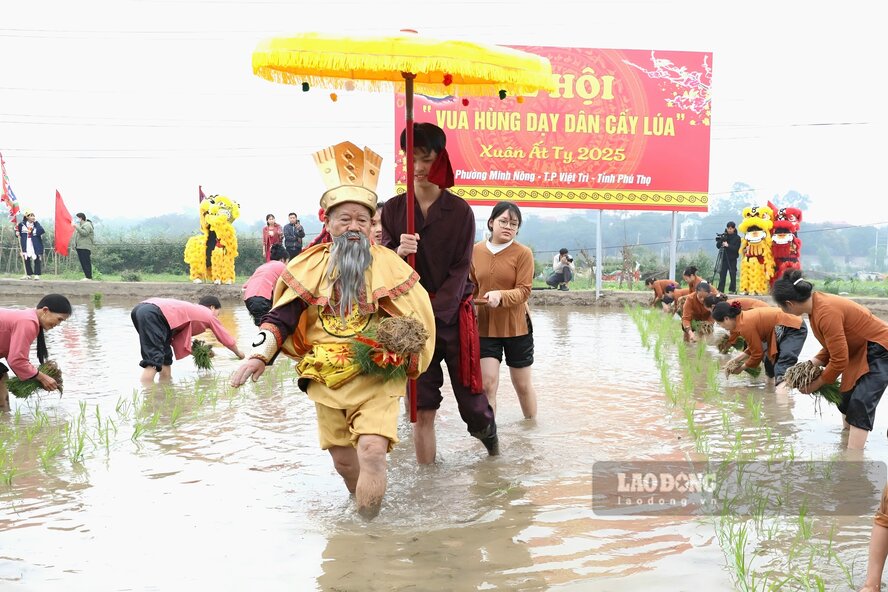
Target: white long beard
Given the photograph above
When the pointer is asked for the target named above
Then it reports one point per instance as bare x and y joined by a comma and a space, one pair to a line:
349, 259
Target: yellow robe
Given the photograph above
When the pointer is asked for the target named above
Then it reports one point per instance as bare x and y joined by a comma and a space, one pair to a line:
320, 339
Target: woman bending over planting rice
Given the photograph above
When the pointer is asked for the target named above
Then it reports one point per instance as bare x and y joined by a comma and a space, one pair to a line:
693, 309
770, 335
18, 330
854, 345
166, 327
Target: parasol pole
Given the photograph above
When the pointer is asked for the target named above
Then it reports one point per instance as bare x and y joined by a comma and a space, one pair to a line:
411, 258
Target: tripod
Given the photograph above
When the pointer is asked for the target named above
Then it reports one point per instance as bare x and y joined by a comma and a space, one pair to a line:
719, 259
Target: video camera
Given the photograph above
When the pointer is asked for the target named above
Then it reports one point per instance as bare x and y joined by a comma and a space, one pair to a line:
720, 238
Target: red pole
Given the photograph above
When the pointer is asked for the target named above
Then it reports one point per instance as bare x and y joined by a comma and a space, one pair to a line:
411, 258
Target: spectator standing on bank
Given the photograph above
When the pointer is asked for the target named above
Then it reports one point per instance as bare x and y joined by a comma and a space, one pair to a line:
272, 234
293, 235
83, 236
31, 237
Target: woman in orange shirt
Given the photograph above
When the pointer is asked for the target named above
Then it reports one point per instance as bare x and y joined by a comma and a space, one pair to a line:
659, 287
854, 345
770, 335
694, 308
744, 302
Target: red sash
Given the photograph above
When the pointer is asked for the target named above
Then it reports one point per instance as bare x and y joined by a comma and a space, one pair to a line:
469, 346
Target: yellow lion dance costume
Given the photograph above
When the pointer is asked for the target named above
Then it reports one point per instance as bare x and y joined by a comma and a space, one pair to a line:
211, 254
757, 265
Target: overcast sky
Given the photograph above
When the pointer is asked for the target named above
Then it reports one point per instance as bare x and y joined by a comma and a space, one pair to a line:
125, 106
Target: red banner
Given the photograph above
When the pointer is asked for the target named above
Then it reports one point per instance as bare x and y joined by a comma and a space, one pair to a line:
63, 227
625, 129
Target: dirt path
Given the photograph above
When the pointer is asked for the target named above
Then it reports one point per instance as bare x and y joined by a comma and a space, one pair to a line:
79, 290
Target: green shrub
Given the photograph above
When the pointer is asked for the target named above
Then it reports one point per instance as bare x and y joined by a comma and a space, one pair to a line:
129, 275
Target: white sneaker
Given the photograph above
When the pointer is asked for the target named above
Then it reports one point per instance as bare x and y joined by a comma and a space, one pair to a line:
25, 277
85, 279
198, 281
36, 277
217, 282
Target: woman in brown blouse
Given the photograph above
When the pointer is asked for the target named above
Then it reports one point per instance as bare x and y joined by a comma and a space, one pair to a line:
659, 288
770, 335
502, 271
854, 345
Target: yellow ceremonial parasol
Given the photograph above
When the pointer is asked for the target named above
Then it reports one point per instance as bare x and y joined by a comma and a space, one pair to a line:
407, 63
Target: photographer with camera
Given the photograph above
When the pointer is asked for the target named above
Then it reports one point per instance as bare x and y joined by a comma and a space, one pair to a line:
563, 270
728, 244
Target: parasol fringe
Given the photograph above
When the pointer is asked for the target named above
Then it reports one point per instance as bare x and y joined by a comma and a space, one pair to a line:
287, 61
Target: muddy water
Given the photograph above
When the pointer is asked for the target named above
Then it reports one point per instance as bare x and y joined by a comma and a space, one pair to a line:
199, 487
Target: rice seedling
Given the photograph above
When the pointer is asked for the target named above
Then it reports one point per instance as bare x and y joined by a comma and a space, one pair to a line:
138, 431
755, 409
176, 413
23, 389
97, 299
51, 449
106, 434
75, 437
805, 524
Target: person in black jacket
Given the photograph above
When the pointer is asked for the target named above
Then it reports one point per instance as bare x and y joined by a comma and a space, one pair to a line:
293, 235
729, 243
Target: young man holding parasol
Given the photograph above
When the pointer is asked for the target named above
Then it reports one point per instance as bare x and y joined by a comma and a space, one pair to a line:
442, 244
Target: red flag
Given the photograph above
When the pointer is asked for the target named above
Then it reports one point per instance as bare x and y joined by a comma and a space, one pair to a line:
201, 196
63, 227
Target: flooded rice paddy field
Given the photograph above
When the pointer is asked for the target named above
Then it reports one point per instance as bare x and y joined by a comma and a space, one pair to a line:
197, 486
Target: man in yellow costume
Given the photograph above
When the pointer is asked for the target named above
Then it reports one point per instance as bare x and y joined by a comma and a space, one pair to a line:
210, 255
757, 261
330, 302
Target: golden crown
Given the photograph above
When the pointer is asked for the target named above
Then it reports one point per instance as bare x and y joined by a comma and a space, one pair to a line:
350, 175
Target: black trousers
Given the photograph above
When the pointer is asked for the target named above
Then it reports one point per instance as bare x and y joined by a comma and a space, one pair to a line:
85, 262
728, 266
37, 264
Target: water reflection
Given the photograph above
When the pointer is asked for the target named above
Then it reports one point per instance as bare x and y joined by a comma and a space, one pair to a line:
198, 486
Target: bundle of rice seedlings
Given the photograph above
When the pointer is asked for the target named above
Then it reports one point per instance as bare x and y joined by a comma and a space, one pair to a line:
202, 354
402, 335
25, 388
804, 373
702, 328
386, 351
737, 363
725, 347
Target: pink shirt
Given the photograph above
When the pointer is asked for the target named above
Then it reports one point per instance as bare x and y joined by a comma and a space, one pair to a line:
262, 282
18, 330
186, 320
